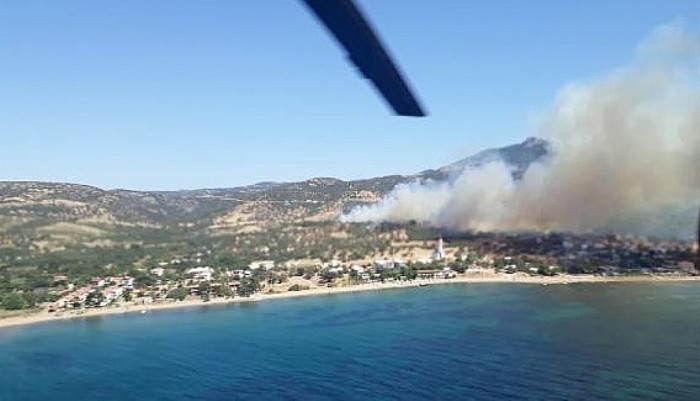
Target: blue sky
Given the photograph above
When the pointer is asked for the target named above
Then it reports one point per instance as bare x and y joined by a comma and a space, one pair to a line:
182, 94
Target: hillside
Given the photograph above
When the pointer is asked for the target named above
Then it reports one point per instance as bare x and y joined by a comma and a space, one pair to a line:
517, 157
30, 207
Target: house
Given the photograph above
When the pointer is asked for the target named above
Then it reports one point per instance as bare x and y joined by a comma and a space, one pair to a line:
381, 264
98, 282
357, 269
476, 269
80, 295
201, 272
332, 264
144, 300
336, 270
111, 294
126, 282
436, 273
262, 264
427, 273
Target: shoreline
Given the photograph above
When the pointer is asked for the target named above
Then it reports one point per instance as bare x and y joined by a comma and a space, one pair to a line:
45, 316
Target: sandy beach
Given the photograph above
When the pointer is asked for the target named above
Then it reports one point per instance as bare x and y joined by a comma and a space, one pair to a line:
45, 316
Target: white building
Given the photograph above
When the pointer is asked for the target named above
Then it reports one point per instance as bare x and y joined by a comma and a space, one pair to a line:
439, 253
381, 264
158, 271
202, 273
357, 269
337, 270
332, 263
262, 264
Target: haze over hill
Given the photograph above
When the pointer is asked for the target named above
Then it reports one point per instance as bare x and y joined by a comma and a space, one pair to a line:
25, 205
625, 158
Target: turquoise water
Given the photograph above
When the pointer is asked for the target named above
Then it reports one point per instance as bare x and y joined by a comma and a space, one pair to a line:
475, 341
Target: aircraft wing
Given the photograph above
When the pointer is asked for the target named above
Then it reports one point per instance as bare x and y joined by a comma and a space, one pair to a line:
352, 30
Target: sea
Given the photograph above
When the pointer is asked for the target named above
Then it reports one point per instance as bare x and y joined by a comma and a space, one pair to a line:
442, 342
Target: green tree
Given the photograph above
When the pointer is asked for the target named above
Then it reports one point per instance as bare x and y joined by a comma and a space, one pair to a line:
248, 287
328, 275
141, 279
204, 288
545, 271
459, 266
223, 291
13, 301
177, 293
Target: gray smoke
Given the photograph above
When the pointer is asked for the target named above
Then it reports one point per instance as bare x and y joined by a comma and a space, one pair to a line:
625, 158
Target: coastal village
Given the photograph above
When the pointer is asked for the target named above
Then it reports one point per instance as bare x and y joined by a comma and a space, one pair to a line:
69, 250
495, 256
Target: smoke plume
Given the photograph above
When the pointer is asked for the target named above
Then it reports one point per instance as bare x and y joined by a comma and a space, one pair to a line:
625, 157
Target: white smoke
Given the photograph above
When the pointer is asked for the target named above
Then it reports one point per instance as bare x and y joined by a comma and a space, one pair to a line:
625, 156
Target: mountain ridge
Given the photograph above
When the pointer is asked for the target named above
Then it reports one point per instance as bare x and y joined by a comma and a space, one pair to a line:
50, 202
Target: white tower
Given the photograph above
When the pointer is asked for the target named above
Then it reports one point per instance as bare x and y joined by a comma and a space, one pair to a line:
439, 253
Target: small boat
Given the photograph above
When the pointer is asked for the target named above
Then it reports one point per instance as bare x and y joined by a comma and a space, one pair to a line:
423, 284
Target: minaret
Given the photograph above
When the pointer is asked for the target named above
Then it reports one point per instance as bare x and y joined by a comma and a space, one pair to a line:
439, 251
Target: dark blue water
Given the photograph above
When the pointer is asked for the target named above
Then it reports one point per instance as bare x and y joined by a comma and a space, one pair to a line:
481, 341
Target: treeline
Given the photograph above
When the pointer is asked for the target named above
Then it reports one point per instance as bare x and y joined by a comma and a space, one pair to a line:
25, 300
